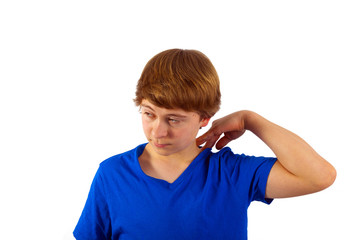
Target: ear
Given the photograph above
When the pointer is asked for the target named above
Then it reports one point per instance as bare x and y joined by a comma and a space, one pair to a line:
204, 122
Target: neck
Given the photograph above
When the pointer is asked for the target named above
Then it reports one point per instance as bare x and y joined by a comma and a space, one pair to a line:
167, 167
186, 156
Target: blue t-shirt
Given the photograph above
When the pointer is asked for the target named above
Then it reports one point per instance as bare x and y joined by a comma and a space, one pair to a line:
208, 201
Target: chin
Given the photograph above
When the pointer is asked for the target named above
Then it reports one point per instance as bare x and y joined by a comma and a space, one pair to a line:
164, 152
167, 150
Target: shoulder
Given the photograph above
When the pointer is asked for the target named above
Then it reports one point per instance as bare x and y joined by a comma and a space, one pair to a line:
119, 168
227, 159
227, 156
126, 158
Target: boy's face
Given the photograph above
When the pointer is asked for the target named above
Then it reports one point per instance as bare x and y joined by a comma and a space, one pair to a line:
170, 131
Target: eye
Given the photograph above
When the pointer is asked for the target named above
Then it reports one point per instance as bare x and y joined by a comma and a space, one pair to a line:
174, 121
148, 114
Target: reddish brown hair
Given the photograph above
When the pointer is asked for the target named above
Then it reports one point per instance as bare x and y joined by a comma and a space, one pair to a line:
184, 79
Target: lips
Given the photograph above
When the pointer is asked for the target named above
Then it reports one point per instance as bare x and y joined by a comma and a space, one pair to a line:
160, 145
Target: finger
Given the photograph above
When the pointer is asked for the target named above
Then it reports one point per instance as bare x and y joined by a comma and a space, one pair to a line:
200, 140
210, 142
228, 137
222, 142
210, 137
205, 137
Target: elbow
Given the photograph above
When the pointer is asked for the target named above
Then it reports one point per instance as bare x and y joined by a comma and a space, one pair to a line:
328, 177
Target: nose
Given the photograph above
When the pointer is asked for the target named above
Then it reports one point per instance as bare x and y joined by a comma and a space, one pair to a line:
160, 129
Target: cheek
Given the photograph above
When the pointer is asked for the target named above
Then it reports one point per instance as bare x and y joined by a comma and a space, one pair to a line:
146, 127
186, 134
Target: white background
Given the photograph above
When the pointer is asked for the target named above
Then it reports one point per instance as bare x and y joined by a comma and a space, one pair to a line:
68, 72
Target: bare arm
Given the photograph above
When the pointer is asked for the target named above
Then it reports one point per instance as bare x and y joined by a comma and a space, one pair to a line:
299, 169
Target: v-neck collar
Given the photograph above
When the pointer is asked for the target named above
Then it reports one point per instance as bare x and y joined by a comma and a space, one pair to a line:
183, 175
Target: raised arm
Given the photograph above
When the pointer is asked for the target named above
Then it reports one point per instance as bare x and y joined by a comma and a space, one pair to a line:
299, 169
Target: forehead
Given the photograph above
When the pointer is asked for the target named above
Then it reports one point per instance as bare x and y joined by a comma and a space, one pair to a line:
164, 111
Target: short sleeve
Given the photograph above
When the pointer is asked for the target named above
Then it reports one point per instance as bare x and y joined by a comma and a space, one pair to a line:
94, 222
261, 167
250, 175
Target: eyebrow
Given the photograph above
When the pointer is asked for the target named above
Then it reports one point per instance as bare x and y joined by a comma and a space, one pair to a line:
170, 115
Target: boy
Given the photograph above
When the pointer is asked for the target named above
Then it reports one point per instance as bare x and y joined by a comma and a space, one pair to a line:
170, 188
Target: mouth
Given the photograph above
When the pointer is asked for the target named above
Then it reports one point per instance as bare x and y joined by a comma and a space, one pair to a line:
160, 145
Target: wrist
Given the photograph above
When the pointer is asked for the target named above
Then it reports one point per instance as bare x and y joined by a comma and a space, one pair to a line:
250, 120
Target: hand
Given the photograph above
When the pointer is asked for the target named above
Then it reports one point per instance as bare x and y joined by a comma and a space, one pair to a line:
232, 126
